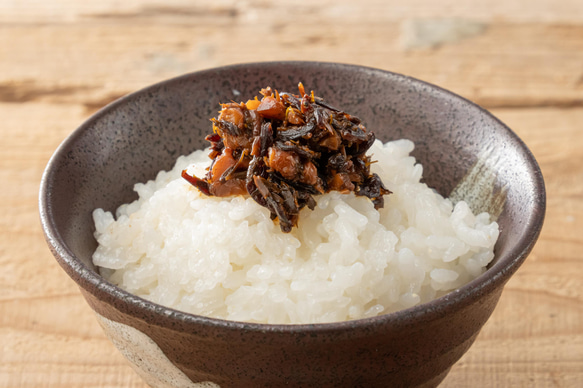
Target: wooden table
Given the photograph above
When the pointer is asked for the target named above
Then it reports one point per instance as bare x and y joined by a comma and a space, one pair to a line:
61, 60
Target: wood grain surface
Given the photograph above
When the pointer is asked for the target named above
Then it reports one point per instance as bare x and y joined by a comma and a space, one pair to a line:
61, 60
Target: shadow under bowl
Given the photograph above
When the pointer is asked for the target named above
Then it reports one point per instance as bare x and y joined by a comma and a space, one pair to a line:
465, 151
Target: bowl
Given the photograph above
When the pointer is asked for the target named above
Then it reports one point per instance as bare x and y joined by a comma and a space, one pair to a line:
466, 153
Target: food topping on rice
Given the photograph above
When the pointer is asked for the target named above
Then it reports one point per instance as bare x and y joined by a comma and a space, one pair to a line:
285, 148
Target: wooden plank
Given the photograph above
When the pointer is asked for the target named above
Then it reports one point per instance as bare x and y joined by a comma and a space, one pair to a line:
345, 11
99, 56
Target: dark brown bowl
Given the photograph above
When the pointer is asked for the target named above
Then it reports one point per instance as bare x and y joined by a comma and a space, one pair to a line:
460, 145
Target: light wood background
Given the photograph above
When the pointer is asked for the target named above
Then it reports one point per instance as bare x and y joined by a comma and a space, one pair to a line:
61, 60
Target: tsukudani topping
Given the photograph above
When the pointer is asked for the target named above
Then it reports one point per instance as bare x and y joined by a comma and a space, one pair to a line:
283, 149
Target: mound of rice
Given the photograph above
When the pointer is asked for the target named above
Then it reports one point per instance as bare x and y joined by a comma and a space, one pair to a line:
225, 258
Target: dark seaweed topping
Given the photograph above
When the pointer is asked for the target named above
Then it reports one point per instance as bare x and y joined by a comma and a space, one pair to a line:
284, 149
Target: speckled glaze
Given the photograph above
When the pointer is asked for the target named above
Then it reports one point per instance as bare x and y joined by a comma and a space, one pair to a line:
131, 139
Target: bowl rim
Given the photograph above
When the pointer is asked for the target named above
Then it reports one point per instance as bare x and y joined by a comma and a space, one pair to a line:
94, 284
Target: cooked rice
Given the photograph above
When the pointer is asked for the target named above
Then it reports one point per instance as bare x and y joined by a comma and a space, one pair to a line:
225, 257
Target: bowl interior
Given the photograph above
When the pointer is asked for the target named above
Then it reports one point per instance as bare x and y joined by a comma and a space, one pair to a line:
133, 138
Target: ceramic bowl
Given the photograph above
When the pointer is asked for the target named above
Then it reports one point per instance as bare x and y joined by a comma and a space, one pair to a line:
466, 153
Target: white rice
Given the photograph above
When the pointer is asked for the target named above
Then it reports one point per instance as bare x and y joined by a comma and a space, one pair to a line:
225, 258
